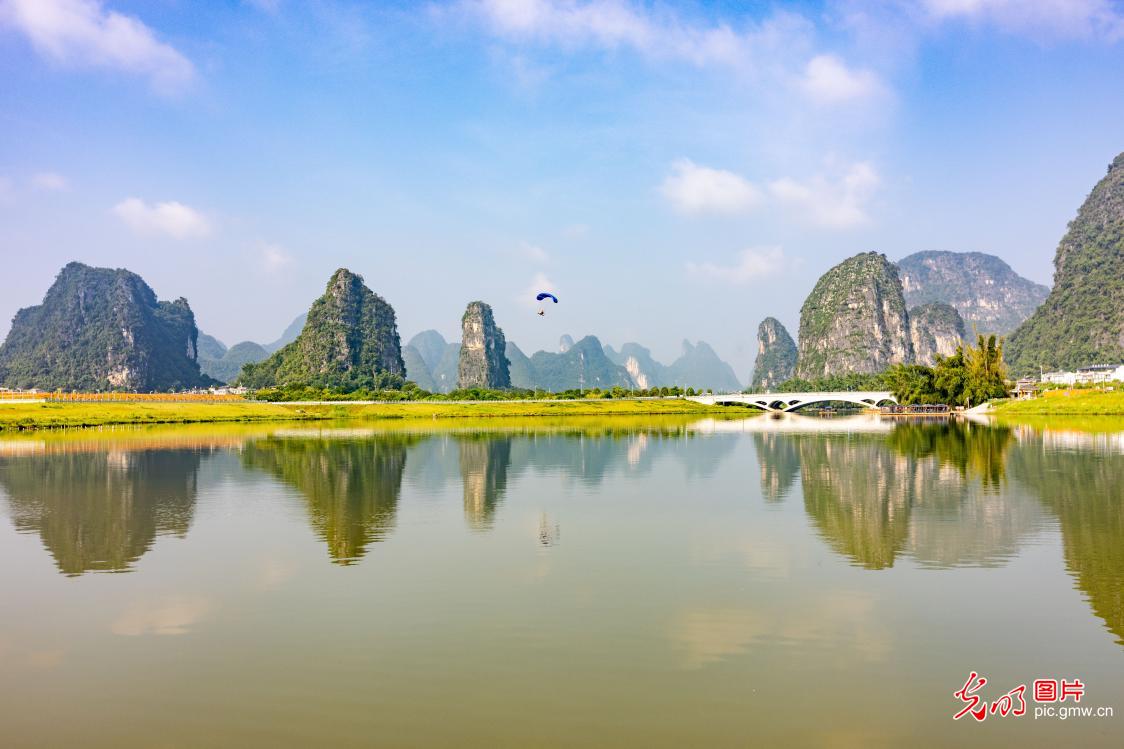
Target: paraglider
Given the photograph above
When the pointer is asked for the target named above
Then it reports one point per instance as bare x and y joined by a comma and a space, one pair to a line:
545, 295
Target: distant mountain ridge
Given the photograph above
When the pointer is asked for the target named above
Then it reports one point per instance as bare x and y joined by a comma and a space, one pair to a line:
987, 293
289, 334
583, 365
697, 366
431, 363
224, 365
642, 368
227, 367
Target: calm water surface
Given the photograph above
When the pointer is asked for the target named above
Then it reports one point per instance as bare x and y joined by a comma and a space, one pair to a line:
669, 583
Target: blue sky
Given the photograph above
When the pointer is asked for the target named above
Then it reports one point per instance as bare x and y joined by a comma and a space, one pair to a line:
671, 170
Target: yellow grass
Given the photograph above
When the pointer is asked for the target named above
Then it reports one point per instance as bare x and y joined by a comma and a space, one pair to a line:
52, 415
1066, 402
47, 415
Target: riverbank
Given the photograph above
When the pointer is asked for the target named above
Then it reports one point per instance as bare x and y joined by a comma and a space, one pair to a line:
1065, 403
16, 416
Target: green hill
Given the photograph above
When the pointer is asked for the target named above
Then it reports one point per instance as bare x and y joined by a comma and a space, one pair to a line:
1082, 320
102, 329
349, 340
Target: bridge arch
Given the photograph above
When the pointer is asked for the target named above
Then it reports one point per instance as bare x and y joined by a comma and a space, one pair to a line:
734, 399
779, 402
834, 398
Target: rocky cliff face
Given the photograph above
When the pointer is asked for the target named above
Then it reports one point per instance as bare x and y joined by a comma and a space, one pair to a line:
776, 356
349, 340
483, 363
565, 343
935, 329
102, 329
984, 290
854, 320
1082, 320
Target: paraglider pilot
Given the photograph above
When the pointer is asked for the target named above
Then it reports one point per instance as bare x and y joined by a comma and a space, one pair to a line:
545, 295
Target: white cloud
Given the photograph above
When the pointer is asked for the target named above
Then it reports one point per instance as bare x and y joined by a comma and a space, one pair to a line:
774, 53
606, 23
1038, 18
656, 33
50, 181
691, 188
828, 80
83, 33
170, 615
534, 253
753, 264
273, 257
171, 218
840, 204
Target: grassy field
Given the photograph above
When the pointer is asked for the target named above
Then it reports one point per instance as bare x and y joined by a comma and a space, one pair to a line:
50, 415
1066, 403
53, 415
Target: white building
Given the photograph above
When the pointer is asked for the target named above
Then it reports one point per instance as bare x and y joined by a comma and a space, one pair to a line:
1096, 374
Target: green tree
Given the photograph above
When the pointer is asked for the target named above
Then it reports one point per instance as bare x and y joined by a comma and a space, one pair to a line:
913, 383
987, 375
950, 377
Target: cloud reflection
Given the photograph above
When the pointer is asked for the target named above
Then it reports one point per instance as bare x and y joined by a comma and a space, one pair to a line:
170, 615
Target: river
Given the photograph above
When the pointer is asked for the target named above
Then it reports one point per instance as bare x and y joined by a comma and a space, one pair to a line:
664, 582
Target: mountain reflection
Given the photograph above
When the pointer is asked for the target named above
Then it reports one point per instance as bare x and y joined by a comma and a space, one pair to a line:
930, 490
779, 460
483, 464
592, 457
589, 456
858, 494
942, 494
976, 451
1084, 488
101, 511
351, 485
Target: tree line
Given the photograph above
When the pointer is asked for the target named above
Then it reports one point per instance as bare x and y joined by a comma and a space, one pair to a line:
409, 391
970, 376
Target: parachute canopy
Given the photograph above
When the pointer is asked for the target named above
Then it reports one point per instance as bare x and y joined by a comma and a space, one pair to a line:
546, 295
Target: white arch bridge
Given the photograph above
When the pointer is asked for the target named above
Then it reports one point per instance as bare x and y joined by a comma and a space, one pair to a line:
793, 401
